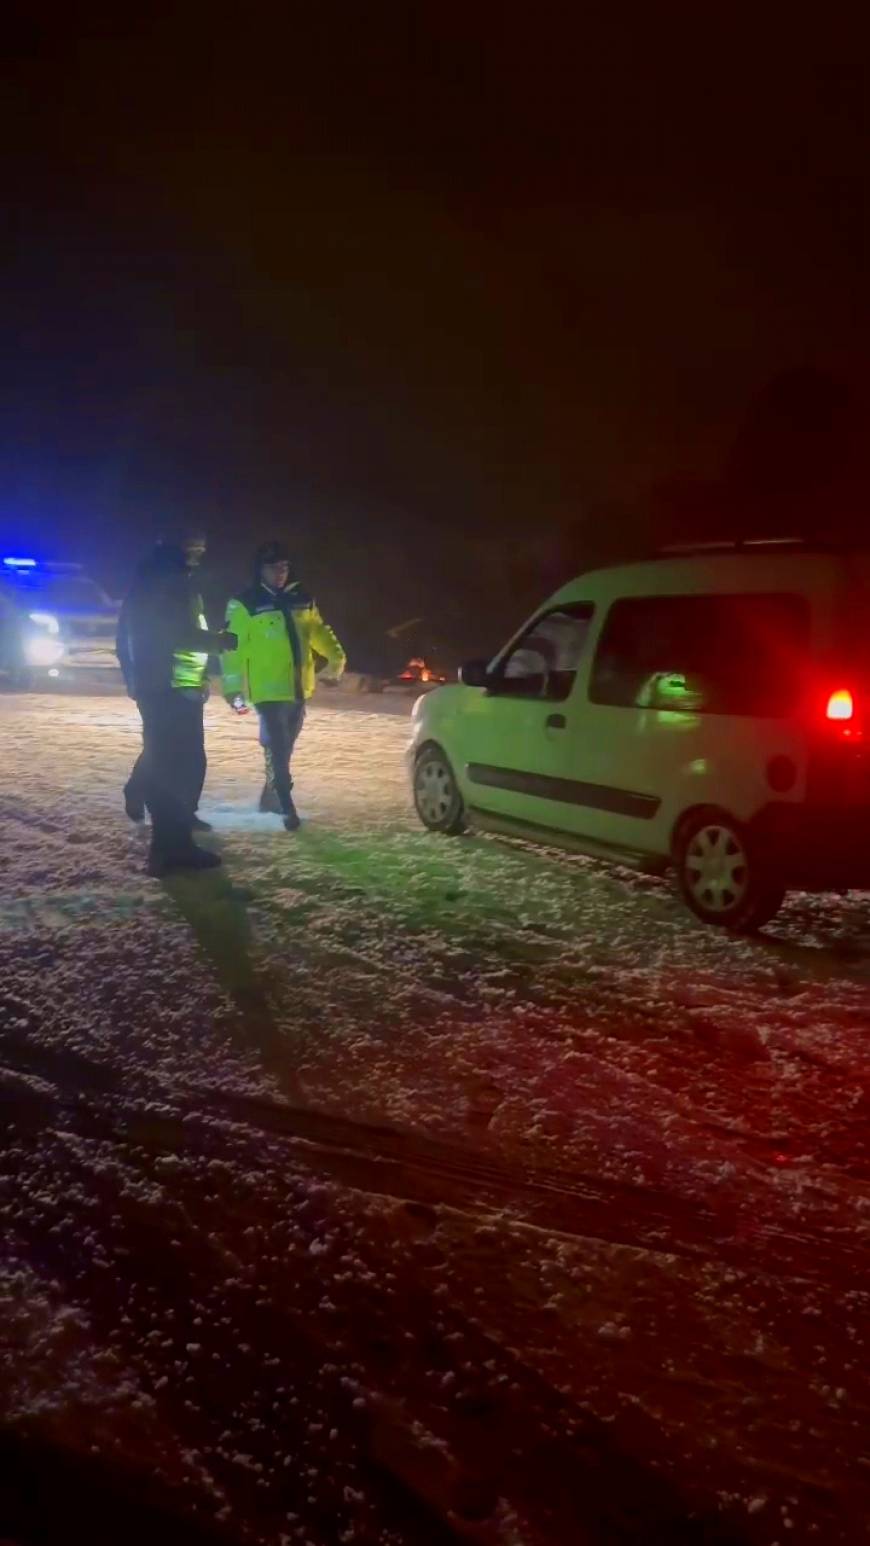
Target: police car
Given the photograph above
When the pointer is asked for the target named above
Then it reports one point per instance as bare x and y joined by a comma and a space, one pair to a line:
55, 622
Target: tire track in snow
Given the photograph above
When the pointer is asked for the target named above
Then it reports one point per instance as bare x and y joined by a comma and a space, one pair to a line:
392, 1163
514, 1435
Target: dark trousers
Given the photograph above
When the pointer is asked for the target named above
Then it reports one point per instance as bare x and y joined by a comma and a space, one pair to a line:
134, 789
172, 765
280, 724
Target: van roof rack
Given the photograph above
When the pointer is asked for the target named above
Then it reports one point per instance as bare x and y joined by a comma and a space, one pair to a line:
730, 545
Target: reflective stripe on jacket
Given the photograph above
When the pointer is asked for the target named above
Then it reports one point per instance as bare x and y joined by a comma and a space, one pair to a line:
162, 638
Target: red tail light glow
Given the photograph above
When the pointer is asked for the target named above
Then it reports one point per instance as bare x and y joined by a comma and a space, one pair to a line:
841, 706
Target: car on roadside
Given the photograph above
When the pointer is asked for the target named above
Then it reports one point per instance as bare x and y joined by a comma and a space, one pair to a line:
705, 712
56, 623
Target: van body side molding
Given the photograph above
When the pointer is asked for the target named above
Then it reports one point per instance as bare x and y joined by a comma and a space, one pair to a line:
569, 791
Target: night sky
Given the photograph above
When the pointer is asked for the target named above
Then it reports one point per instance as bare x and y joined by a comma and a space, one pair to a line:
397, 283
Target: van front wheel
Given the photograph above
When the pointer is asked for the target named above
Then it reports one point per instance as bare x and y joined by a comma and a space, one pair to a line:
436, 793
721, 875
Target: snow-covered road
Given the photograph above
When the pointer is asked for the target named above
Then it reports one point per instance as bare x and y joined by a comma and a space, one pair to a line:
386, 1188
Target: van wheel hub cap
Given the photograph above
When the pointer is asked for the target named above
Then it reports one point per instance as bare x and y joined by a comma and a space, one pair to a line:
717, 869
434, 791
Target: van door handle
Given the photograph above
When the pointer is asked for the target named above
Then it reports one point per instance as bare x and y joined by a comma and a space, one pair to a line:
556, 722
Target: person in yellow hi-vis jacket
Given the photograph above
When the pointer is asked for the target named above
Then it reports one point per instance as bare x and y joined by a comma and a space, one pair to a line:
280, 632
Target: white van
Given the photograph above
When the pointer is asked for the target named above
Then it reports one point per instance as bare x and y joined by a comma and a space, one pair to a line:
706, 710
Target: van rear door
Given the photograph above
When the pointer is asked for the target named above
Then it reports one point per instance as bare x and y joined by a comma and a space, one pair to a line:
691, 698
839, 766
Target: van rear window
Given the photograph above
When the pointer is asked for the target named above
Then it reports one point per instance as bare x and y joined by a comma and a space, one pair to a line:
704, 654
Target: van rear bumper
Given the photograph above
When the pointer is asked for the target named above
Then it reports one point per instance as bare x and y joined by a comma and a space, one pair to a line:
817, 848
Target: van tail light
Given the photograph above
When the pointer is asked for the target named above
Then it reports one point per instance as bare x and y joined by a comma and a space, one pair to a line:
841, 706
846, 716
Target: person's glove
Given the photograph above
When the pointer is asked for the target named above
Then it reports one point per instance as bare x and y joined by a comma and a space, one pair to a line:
332, 673
227, 641
237, 704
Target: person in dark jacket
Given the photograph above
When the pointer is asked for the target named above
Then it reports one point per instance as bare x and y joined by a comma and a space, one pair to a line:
193, 545
163, 647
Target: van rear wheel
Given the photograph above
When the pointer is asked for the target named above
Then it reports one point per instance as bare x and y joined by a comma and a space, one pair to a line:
722, 876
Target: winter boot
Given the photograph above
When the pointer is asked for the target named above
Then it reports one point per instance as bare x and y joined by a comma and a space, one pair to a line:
292, 819
269, 798
191, 858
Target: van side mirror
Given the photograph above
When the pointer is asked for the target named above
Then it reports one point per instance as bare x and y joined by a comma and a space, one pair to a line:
475, 673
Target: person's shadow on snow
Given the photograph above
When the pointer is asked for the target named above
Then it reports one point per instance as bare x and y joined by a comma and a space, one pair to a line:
217, 912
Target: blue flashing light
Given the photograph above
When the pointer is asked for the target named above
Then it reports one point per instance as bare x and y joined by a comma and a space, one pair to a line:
20, 563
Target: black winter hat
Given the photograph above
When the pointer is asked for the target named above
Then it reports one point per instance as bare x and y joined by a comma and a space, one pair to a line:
270, 553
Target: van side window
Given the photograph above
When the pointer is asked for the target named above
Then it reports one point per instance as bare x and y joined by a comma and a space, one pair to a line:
704, 654
543, 662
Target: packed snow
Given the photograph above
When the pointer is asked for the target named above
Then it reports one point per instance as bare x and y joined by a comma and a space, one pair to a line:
381, 1187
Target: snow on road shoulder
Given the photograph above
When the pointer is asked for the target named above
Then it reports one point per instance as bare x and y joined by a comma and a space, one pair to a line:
444, 1106
549, 1007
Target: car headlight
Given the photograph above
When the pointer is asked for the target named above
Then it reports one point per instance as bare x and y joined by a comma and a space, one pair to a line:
45, 620
40, 651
